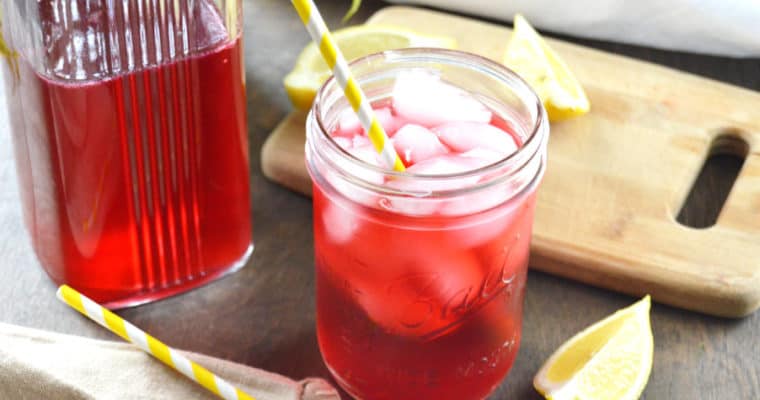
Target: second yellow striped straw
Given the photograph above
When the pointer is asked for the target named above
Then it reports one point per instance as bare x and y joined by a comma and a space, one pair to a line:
317, 28
149, 344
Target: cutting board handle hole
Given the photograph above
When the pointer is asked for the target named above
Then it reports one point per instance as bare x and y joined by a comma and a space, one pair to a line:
727, 153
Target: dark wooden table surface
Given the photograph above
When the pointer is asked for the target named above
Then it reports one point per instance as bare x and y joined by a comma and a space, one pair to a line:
264, 315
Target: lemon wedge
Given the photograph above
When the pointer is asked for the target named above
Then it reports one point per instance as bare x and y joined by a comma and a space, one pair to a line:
611, 359
311, 71
528, 54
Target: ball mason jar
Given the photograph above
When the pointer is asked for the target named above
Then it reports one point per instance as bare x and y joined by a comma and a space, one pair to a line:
420, 279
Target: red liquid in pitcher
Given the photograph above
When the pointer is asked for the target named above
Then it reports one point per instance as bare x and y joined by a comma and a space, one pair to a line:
422, 300
136, 187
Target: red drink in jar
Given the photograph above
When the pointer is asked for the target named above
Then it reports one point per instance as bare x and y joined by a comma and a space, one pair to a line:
420, 275
131, 144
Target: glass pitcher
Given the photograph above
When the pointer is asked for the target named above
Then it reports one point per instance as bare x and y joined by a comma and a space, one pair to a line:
130, 137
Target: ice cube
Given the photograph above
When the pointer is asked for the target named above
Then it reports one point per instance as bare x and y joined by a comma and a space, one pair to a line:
418, 203
340, 224
482, 200
411, 205
465, 136
360, 141
508, 125
366, 153
485, 222
444, 165
488, 214
483, 156
391, 123
423, 98
440, 165
353, 192
344, 142
437, 289
349, 124
415, 143
350, 190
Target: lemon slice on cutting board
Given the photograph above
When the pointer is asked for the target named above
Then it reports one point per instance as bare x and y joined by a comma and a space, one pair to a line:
311, 71
611, 359
528, 54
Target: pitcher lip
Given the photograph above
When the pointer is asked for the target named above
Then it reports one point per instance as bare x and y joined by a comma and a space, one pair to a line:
463, 58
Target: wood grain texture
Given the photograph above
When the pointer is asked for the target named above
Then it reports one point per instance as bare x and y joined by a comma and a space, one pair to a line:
617, 177
263, 315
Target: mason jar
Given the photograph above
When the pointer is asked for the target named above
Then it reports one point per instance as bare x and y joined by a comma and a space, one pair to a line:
420, 278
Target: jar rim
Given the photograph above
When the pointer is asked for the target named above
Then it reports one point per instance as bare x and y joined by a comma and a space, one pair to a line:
455, 57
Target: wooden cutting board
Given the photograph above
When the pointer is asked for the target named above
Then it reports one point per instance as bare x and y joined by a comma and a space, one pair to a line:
618, 176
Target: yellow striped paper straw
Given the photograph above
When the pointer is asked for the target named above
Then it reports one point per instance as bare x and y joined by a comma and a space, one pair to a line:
149, 344
331, 53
